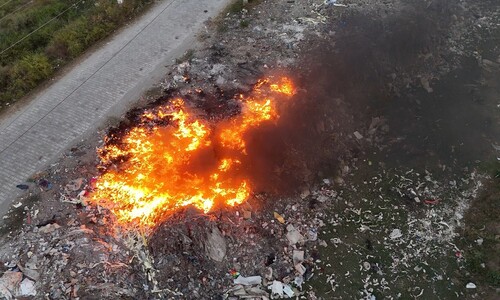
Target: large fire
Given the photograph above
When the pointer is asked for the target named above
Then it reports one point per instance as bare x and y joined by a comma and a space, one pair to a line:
190, 161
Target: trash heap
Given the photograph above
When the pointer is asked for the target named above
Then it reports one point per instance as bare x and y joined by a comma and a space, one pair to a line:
400, 227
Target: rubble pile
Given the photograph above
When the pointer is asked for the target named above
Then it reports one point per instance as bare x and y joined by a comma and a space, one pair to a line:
244, 253
69, 259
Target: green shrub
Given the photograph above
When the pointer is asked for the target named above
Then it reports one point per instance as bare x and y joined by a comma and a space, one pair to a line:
33, 60
28, 72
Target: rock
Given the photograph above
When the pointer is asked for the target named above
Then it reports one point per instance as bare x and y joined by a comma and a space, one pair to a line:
425, 84
479, 241
31, 274
9, 283
471, 285
305, 192
5, 293
489, 65
247, 214
322, 198
298, 256
238, 290
256, 292
27, 288
215, 245
49, 228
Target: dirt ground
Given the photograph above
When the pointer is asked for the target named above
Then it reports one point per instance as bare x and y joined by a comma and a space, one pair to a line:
389, 173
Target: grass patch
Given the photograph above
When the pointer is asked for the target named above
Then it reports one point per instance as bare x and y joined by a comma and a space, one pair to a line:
238, 5
235, 8
188, 56
39, 37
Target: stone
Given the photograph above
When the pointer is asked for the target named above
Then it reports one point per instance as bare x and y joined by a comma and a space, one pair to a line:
293, 235
27, 288
298, 256
49, 228
215, 245
9, 283
31, 274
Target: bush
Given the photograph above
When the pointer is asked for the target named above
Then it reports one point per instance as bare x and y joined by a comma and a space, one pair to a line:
28, 72
34, 60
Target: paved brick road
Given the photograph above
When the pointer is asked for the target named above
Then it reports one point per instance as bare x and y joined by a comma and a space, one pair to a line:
104, 83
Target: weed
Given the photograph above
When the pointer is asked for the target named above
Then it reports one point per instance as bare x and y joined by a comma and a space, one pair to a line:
15, 217
188, 55
244, 23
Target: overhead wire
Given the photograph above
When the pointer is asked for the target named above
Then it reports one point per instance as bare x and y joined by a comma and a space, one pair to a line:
5, 3
86, 80
17, 9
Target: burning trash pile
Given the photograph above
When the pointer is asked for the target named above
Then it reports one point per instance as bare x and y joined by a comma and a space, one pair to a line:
179, 208
174, 158
173, 174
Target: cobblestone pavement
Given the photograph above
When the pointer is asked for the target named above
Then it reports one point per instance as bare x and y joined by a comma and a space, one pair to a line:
103, 84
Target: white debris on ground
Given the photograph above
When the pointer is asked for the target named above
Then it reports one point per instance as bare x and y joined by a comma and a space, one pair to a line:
405, 241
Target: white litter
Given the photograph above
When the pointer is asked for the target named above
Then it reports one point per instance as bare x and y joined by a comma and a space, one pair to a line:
277, 288
395, 234
470, 285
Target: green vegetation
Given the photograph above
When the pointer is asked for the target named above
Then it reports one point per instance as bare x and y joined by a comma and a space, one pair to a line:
16, 216
244, 23
233, 9
238, 5
39, 37
188, 55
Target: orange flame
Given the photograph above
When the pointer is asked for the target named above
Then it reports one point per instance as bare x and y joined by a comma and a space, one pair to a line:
166, 167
